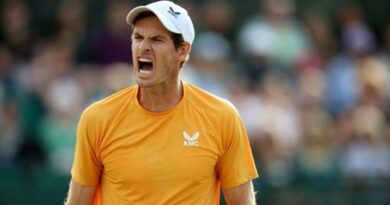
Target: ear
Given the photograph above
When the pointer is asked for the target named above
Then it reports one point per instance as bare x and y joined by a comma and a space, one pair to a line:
184, 51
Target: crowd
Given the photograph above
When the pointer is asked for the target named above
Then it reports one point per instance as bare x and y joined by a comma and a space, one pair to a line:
313, 91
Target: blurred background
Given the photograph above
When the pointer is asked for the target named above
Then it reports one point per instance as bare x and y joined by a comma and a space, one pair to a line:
311, 80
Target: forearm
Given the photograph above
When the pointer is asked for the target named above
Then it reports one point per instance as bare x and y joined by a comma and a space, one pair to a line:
79, 194
242, 195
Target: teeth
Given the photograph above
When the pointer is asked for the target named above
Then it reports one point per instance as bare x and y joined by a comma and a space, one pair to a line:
145, 71
145, 60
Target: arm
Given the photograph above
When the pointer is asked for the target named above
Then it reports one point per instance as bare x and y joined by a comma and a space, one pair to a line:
241, 195
79, 194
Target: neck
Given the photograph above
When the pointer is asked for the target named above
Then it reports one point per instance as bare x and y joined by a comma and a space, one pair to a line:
162, 98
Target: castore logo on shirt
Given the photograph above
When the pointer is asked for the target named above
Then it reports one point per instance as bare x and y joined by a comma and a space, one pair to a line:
191, 141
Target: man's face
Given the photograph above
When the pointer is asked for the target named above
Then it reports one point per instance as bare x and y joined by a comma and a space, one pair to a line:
156, 61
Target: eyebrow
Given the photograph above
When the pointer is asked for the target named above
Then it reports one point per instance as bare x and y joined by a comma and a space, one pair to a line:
159, 36
152, 37
136, 34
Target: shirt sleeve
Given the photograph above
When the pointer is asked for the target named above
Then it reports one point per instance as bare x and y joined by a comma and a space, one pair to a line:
87, 166
236, 165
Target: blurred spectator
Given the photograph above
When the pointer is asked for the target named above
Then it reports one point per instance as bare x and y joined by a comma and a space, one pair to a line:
279, 133
365, 157
384, 54
322, 43
64, 101
211, 64
112, 44
280, 115
7, 61
374, 79
249, 104
52, 64
10, 136
317, 159
218, 17
117, 77
342, 78
275, 37
17, 36
90, 79
72, 27
384, 57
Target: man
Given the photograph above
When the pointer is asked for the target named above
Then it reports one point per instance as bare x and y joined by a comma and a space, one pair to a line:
162, 141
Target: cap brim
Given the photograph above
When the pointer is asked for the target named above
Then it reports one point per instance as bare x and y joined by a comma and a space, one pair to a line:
135, 12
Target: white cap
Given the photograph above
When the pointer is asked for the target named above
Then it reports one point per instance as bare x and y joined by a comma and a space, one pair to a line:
174, 17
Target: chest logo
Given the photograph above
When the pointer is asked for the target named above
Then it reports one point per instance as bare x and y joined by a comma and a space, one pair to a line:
191, 141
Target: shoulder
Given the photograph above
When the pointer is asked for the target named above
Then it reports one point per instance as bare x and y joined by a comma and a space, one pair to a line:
109, 105
201, 99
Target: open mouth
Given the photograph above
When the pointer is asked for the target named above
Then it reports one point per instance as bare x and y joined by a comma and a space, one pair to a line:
145, 65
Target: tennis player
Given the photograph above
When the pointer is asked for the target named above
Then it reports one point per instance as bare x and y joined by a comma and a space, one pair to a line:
163, 140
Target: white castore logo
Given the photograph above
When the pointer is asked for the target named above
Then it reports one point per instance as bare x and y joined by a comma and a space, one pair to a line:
191, 141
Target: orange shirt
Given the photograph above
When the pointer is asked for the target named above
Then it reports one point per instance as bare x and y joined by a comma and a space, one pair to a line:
181, 156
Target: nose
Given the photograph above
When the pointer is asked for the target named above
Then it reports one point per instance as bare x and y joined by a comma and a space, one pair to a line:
144, 45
